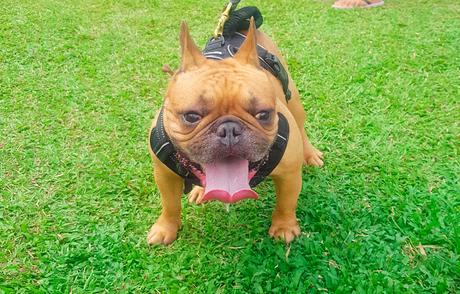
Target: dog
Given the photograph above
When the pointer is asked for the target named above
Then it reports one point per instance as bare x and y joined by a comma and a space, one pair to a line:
220, 118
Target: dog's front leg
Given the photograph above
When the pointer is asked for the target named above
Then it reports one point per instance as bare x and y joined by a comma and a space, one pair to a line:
284, 222
164, 231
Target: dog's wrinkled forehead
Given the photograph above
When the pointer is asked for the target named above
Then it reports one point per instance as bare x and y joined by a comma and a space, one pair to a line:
223, 86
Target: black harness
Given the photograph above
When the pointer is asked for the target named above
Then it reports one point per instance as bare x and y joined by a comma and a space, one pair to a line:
166, 152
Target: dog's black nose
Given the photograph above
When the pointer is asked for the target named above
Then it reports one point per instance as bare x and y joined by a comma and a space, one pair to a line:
229, 132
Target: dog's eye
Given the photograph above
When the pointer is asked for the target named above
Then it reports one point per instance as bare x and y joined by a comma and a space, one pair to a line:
263, 116
191, 117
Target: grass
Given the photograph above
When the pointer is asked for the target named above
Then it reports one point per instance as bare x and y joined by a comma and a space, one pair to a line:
80, 82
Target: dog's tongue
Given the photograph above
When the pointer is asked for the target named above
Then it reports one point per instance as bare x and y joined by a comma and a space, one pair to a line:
228, 181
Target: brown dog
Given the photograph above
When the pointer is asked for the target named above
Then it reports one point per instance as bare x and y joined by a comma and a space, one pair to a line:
221, 116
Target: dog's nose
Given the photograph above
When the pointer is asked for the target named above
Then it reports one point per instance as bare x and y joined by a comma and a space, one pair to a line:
229, 132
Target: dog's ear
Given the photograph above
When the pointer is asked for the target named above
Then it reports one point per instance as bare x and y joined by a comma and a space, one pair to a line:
191, 55
248, 51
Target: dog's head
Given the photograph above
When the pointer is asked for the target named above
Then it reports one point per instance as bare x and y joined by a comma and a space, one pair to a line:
220, 110
216, 109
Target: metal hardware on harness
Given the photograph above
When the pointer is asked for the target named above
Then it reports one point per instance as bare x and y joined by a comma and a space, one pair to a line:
224, 17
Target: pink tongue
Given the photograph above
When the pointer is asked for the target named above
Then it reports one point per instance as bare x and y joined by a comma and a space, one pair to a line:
228, 181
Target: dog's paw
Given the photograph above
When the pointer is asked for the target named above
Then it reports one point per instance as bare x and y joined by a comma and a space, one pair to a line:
286, 230
163, 232
313, 157
196, 195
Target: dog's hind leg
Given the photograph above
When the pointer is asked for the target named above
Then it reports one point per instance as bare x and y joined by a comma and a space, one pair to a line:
312, 156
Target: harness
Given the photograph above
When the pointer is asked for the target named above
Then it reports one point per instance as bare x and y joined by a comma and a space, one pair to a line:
166, 152
225, 43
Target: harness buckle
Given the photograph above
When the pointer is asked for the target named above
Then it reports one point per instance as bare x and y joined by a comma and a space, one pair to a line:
215, 43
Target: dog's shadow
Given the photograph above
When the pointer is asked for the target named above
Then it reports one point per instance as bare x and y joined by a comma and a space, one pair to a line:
244, 223
229, 225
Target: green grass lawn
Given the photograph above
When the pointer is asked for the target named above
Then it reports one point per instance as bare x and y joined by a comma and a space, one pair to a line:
80, 82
